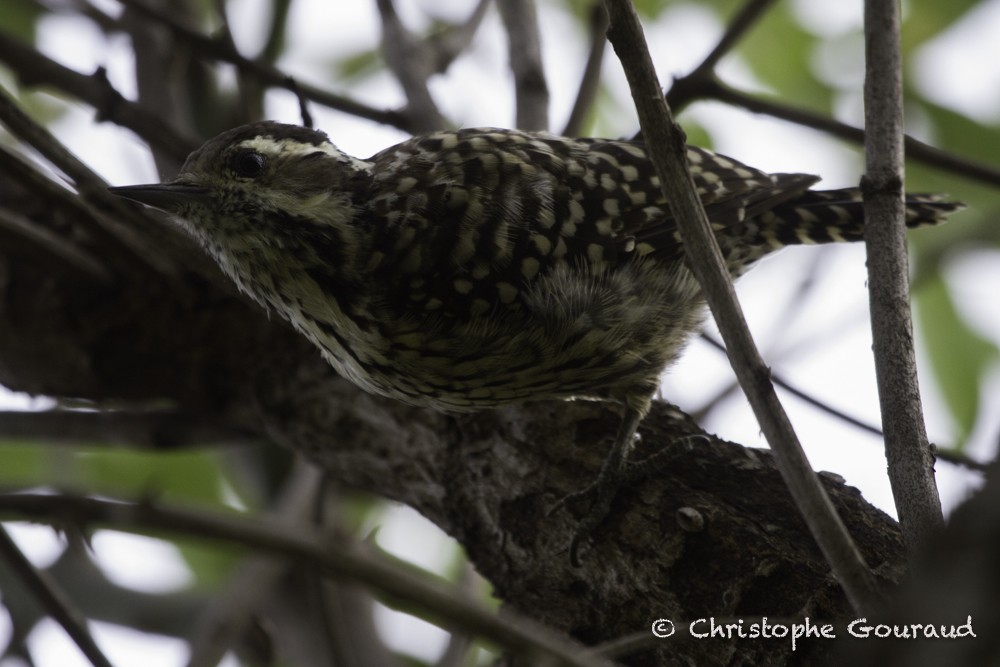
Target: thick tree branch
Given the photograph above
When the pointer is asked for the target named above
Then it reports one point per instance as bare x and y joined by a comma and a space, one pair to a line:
665, 143
48, 243
163, 430
911, 466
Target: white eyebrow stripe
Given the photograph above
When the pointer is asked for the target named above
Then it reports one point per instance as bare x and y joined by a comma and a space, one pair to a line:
269, 146
291, 148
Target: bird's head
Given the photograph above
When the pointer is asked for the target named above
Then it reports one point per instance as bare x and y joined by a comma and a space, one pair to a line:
264, 178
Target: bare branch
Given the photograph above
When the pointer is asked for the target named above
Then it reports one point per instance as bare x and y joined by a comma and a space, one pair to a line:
911, 466
590, 82
251, 106
163, 74
33, 69
744, 19
269, 75
231, 612
521, 21
665, 144
412, 63
275, 43
915, 149
450, 43
352, 561
55, 602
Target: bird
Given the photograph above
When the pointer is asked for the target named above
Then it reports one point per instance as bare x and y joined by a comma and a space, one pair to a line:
481, 267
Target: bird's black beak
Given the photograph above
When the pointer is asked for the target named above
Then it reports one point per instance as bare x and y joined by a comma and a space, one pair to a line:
169, 197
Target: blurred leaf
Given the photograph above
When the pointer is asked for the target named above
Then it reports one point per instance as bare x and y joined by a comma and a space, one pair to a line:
959, 356
24, 465
192, 477
649, 9
211, 563
359, 66
20, 16
780, 53
925, 19
962, 134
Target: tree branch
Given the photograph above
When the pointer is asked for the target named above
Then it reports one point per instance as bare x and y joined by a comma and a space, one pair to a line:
740, 24
412, 61
911, 466
53, 600
665, 143
229, 616
451, 42
915, 149
160, 430
34, 69
591, 79
54, 245
269, 75
520, 18
350, 561
89, 184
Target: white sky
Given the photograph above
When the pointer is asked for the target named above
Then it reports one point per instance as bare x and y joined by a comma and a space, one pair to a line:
477, 91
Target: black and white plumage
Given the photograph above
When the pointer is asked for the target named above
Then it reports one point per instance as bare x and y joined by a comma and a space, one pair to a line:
475, 268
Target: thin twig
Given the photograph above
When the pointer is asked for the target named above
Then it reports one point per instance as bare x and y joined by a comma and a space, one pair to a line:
52, 599
590, 82
520, 18
942, 454
915, 150
911, 466
354, 562
665, 144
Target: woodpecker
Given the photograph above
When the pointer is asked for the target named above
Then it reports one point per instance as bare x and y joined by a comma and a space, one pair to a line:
477, 268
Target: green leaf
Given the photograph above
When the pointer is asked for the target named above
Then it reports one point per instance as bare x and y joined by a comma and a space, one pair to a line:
959, 356
784, 63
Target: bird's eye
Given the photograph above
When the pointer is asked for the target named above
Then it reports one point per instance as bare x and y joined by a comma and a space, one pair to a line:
248, 163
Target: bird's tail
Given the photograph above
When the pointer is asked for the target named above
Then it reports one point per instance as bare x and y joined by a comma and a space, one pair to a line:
826, 216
